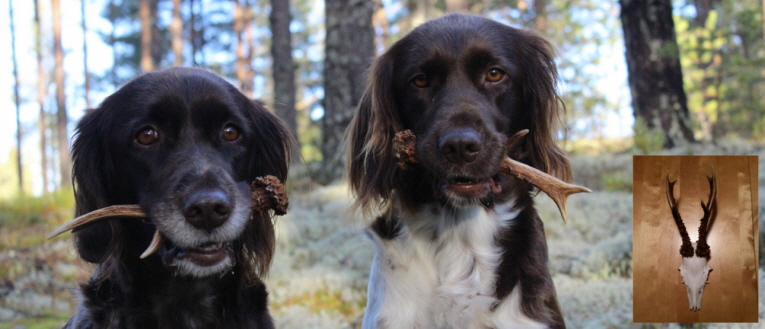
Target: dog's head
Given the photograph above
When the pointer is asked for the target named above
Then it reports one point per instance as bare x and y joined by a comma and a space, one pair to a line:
185, 145
463, 85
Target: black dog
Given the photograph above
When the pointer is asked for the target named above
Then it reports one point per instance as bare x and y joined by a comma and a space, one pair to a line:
184, 145
458, 244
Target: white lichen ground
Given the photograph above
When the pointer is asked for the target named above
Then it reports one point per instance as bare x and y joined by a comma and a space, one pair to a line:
319, 276
320, 273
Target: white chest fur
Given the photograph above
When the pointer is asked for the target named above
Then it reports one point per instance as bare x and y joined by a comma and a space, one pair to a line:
439, 272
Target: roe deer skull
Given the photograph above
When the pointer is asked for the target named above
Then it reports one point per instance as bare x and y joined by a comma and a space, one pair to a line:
694, 268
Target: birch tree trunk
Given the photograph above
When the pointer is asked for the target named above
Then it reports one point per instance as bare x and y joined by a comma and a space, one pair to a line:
62, 119
42, 90
85, 54
16, 100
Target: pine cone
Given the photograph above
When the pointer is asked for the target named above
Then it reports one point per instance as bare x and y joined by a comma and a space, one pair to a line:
268, 192
404, 145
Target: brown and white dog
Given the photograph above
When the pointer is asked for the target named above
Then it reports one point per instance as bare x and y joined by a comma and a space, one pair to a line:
459, 245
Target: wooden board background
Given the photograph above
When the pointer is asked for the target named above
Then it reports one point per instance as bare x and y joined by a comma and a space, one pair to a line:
659, 295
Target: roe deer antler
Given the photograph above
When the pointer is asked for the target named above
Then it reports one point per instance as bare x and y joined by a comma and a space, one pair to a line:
694, 268
404, 144
268, 193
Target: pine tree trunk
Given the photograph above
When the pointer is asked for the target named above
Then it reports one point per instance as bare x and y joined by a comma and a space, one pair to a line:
193, 32
42, 91
457, 5
380, 22
242, 26
85, 54
17, 101
62, 120
156, 37
421, 12
147, 33
349, 51
653, 65
540, 15
283, 65
176, 28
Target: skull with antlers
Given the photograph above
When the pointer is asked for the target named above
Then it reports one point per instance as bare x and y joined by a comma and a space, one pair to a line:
695, 268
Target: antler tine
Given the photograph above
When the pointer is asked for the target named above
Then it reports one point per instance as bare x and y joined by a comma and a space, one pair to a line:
555, 188
107, 212
712, 191
686, 249
702, 248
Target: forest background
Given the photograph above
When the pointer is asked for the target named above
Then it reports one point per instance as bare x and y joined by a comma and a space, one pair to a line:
702, 60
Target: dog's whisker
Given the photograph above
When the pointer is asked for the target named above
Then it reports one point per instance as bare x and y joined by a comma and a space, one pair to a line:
134, 211
156, 241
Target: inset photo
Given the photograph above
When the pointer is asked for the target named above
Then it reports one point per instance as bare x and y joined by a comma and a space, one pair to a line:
695, 239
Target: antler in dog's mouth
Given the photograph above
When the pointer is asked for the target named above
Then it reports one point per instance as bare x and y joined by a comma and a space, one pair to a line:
404, 144
474, 187
268, 193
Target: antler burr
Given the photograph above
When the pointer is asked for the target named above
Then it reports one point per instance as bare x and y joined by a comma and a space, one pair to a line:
694, 269
404, 144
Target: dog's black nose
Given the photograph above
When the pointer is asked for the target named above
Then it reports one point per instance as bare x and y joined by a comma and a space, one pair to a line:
460, 147
207, 209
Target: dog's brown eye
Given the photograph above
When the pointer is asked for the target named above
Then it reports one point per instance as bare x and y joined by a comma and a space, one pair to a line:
230, 133
421, 81
147, 136
494, 75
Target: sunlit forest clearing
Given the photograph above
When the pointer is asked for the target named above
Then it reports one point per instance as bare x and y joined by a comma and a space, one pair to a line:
60, 62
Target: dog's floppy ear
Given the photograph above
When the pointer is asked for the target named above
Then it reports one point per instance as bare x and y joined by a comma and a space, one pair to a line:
269, 151
94, 178
271, 144
370, 162
539, 93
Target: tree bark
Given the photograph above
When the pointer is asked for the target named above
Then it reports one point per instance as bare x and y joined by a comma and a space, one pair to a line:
16, 100
147, 34
156, 37
193, 32
197, 32
176, 28
540, 15
653, 66
85, 54
42, 91
380, 21
242, 26
349, 51
62, 120
458, 5
283, 64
